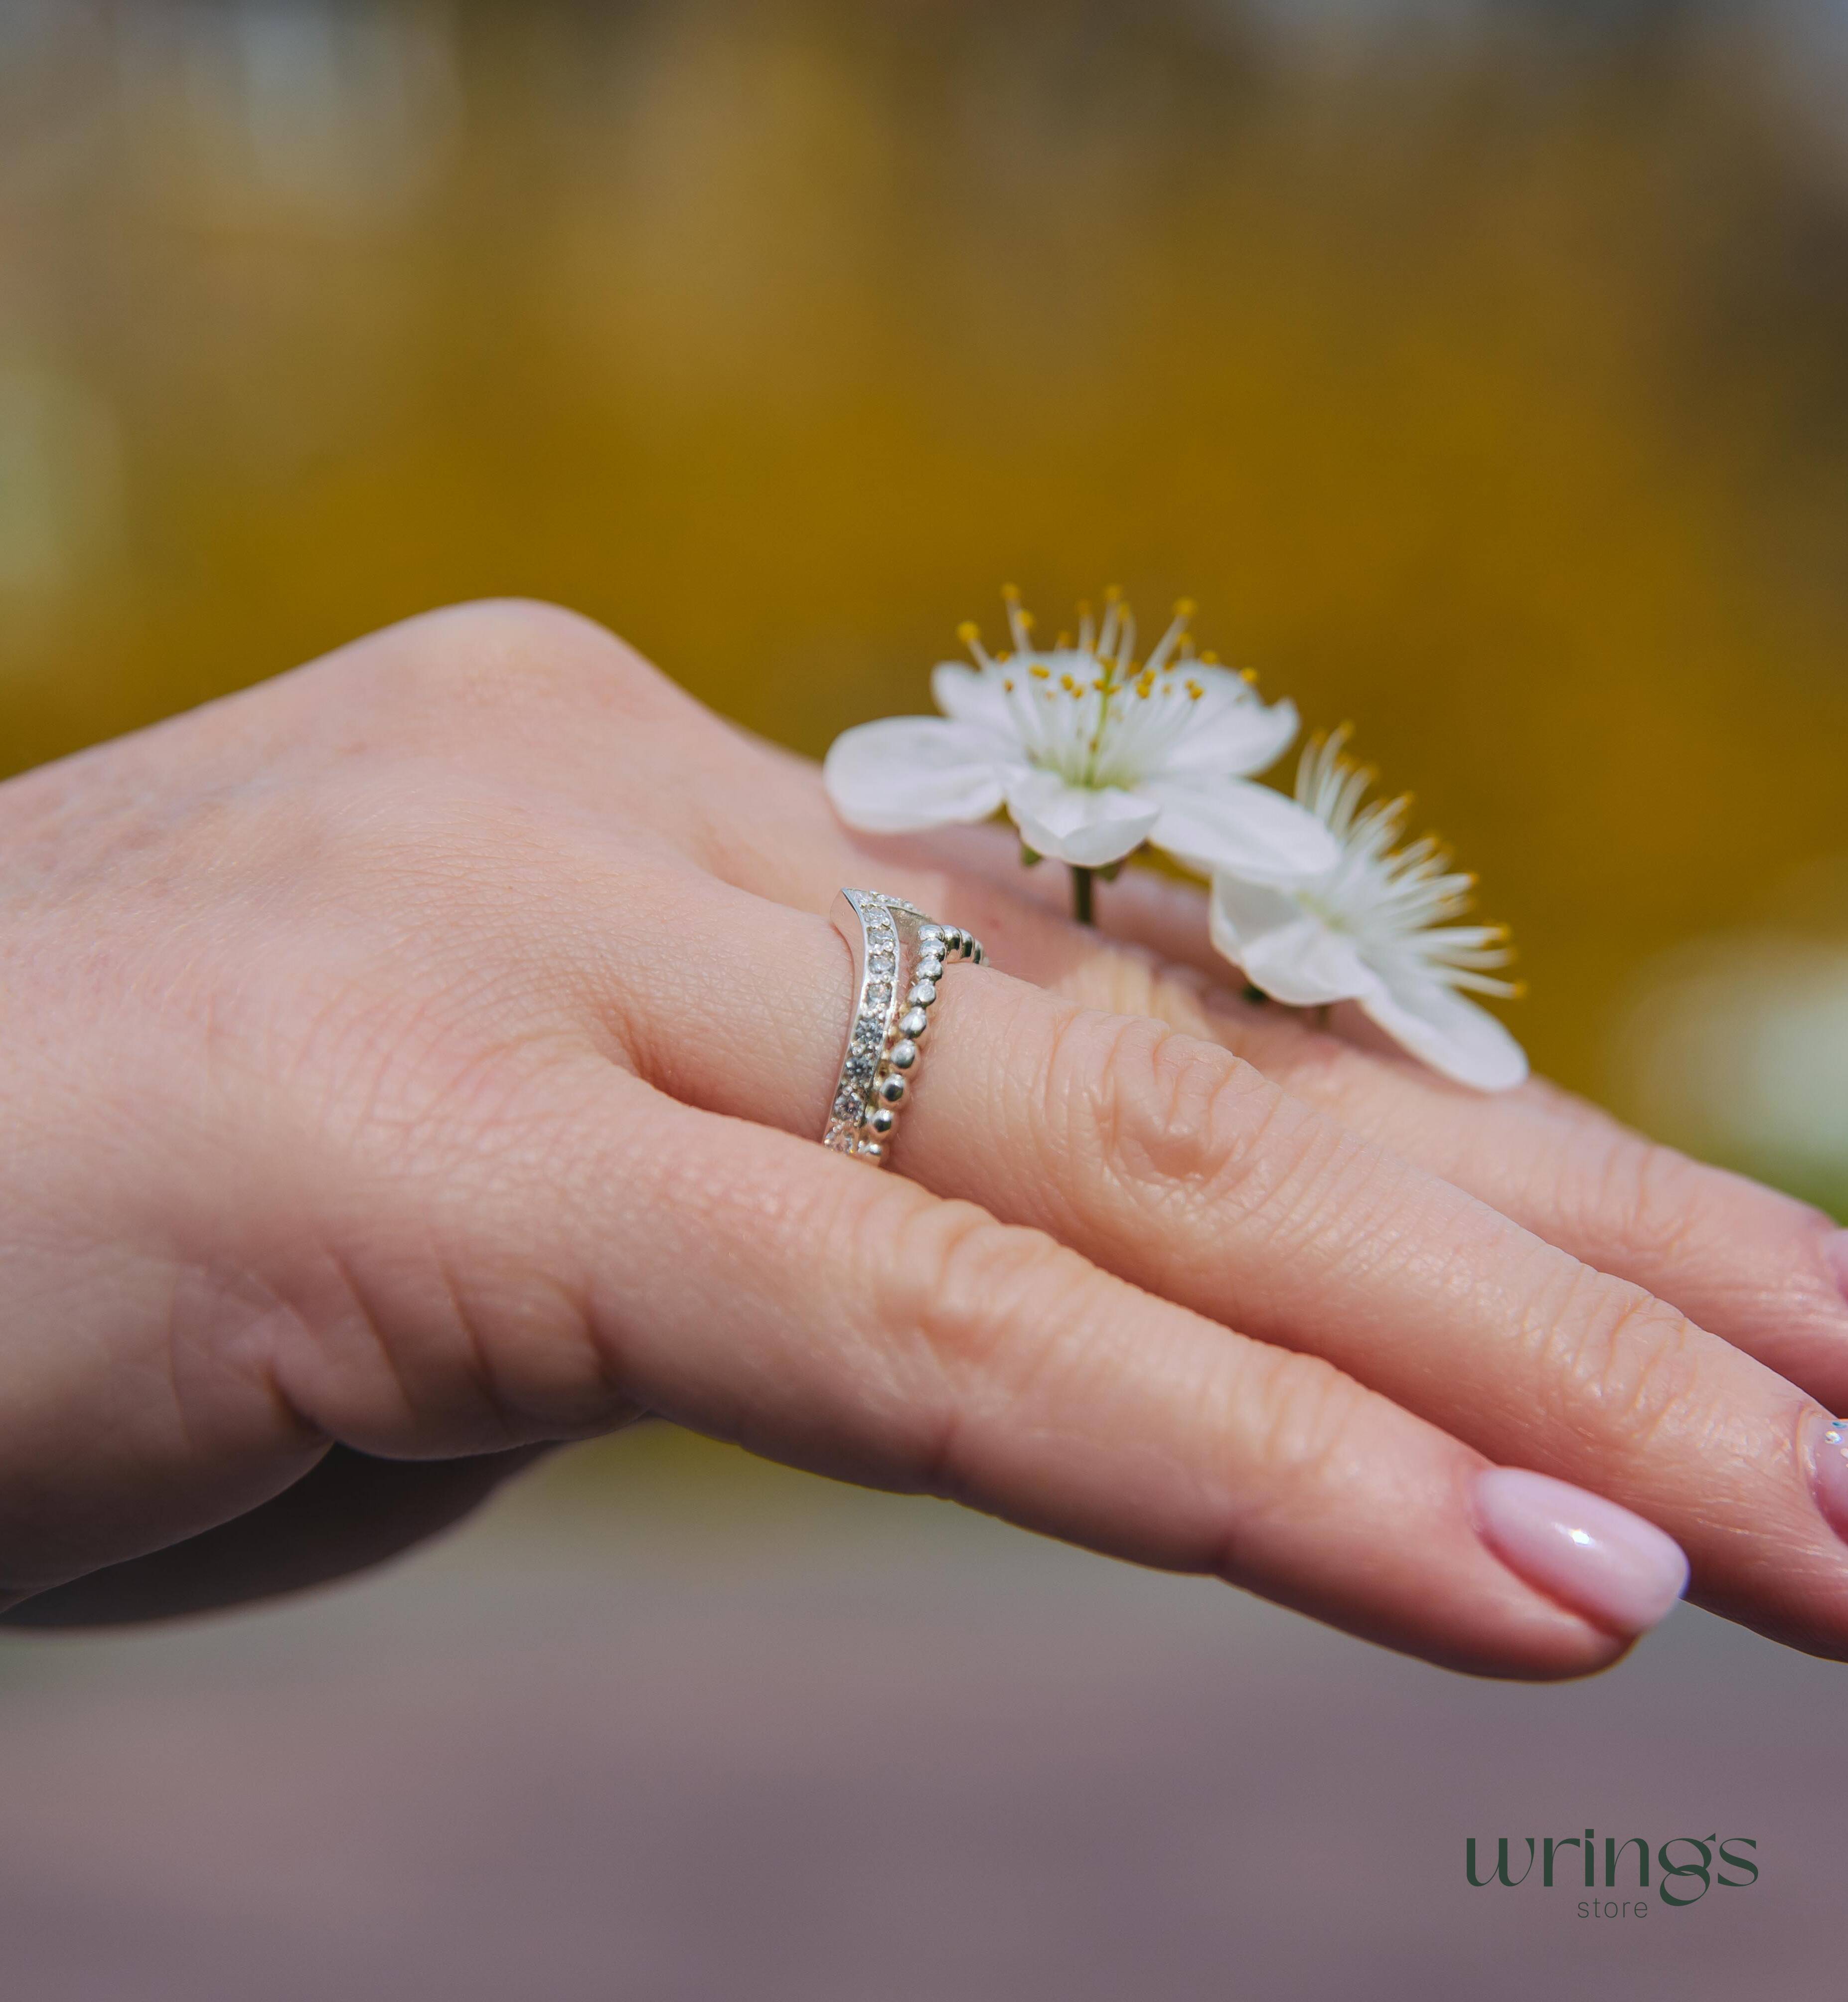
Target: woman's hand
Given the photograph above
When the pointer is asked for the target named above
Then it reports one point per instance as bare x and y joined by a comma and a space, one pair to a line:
420, 1057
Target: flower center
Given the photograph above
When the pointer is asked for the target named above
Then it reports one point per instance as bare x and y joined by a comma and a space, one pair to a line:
1090, 712
1329, 914
1077, 717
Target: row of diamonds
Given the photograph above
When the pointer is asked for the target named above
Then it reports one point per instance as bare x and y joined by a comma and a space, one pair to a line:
881, 1052
871, 1027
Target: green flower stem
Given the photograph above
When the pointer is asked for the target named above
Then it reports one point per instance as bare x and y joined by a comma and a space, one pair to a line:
1081, 895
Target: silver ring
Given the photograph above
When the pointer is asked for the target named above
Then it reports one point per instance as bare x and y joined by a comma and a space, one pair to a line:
899, 955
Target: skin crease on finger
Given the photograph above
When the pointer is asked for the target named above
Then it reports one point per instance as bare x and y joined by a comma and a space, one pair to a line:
514, 761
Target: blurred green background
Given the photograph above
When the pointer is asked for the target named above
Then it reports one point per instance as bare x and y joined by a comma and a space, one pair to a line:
1482, 372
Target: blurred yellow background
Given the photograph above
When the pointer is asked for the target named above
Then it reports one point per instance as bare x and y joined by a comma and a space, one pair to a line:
1483, 374
1481, 370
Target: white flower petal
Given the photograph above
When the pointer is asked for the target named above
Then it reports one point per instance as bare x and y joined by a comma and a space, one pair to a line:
1231, 730
909, 772
969, 695
1242, 912
1293, 955
1451, 1034
1245, 830
1089, 827
1308, 965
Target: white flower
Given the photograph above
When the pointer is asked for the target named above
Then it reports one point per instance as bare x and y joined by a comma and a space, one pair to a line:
1091, 753
1372, 930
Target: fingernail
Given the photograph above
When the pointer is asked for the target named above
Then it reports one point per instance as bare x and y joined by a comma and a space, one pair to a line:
1835, 1249
1827, 1444
1602, 1560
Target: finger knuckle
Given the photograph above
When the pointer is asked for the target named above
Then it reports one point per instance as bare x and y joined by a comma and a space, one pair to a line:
965, 1282
1305, 1412
495, 653
1624, 1363
1647, 1197
974, 1307
1311, 1437
1174, 1122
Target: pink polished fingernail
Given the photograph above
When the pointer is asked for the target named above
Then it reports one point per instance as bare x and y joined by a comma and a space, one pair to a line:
1826, 1450
1601, 1559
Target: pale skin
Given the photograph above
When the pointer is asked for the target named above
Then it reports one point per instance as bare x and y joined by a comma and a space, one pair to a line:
420, 1057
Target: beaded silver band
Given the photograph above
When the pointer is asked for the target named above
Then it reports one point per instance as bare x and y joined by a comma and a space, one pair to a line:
899, 955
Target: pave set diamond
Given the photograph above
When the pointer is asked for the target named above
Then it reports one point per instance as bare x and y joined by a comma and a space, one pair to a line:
899, 952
